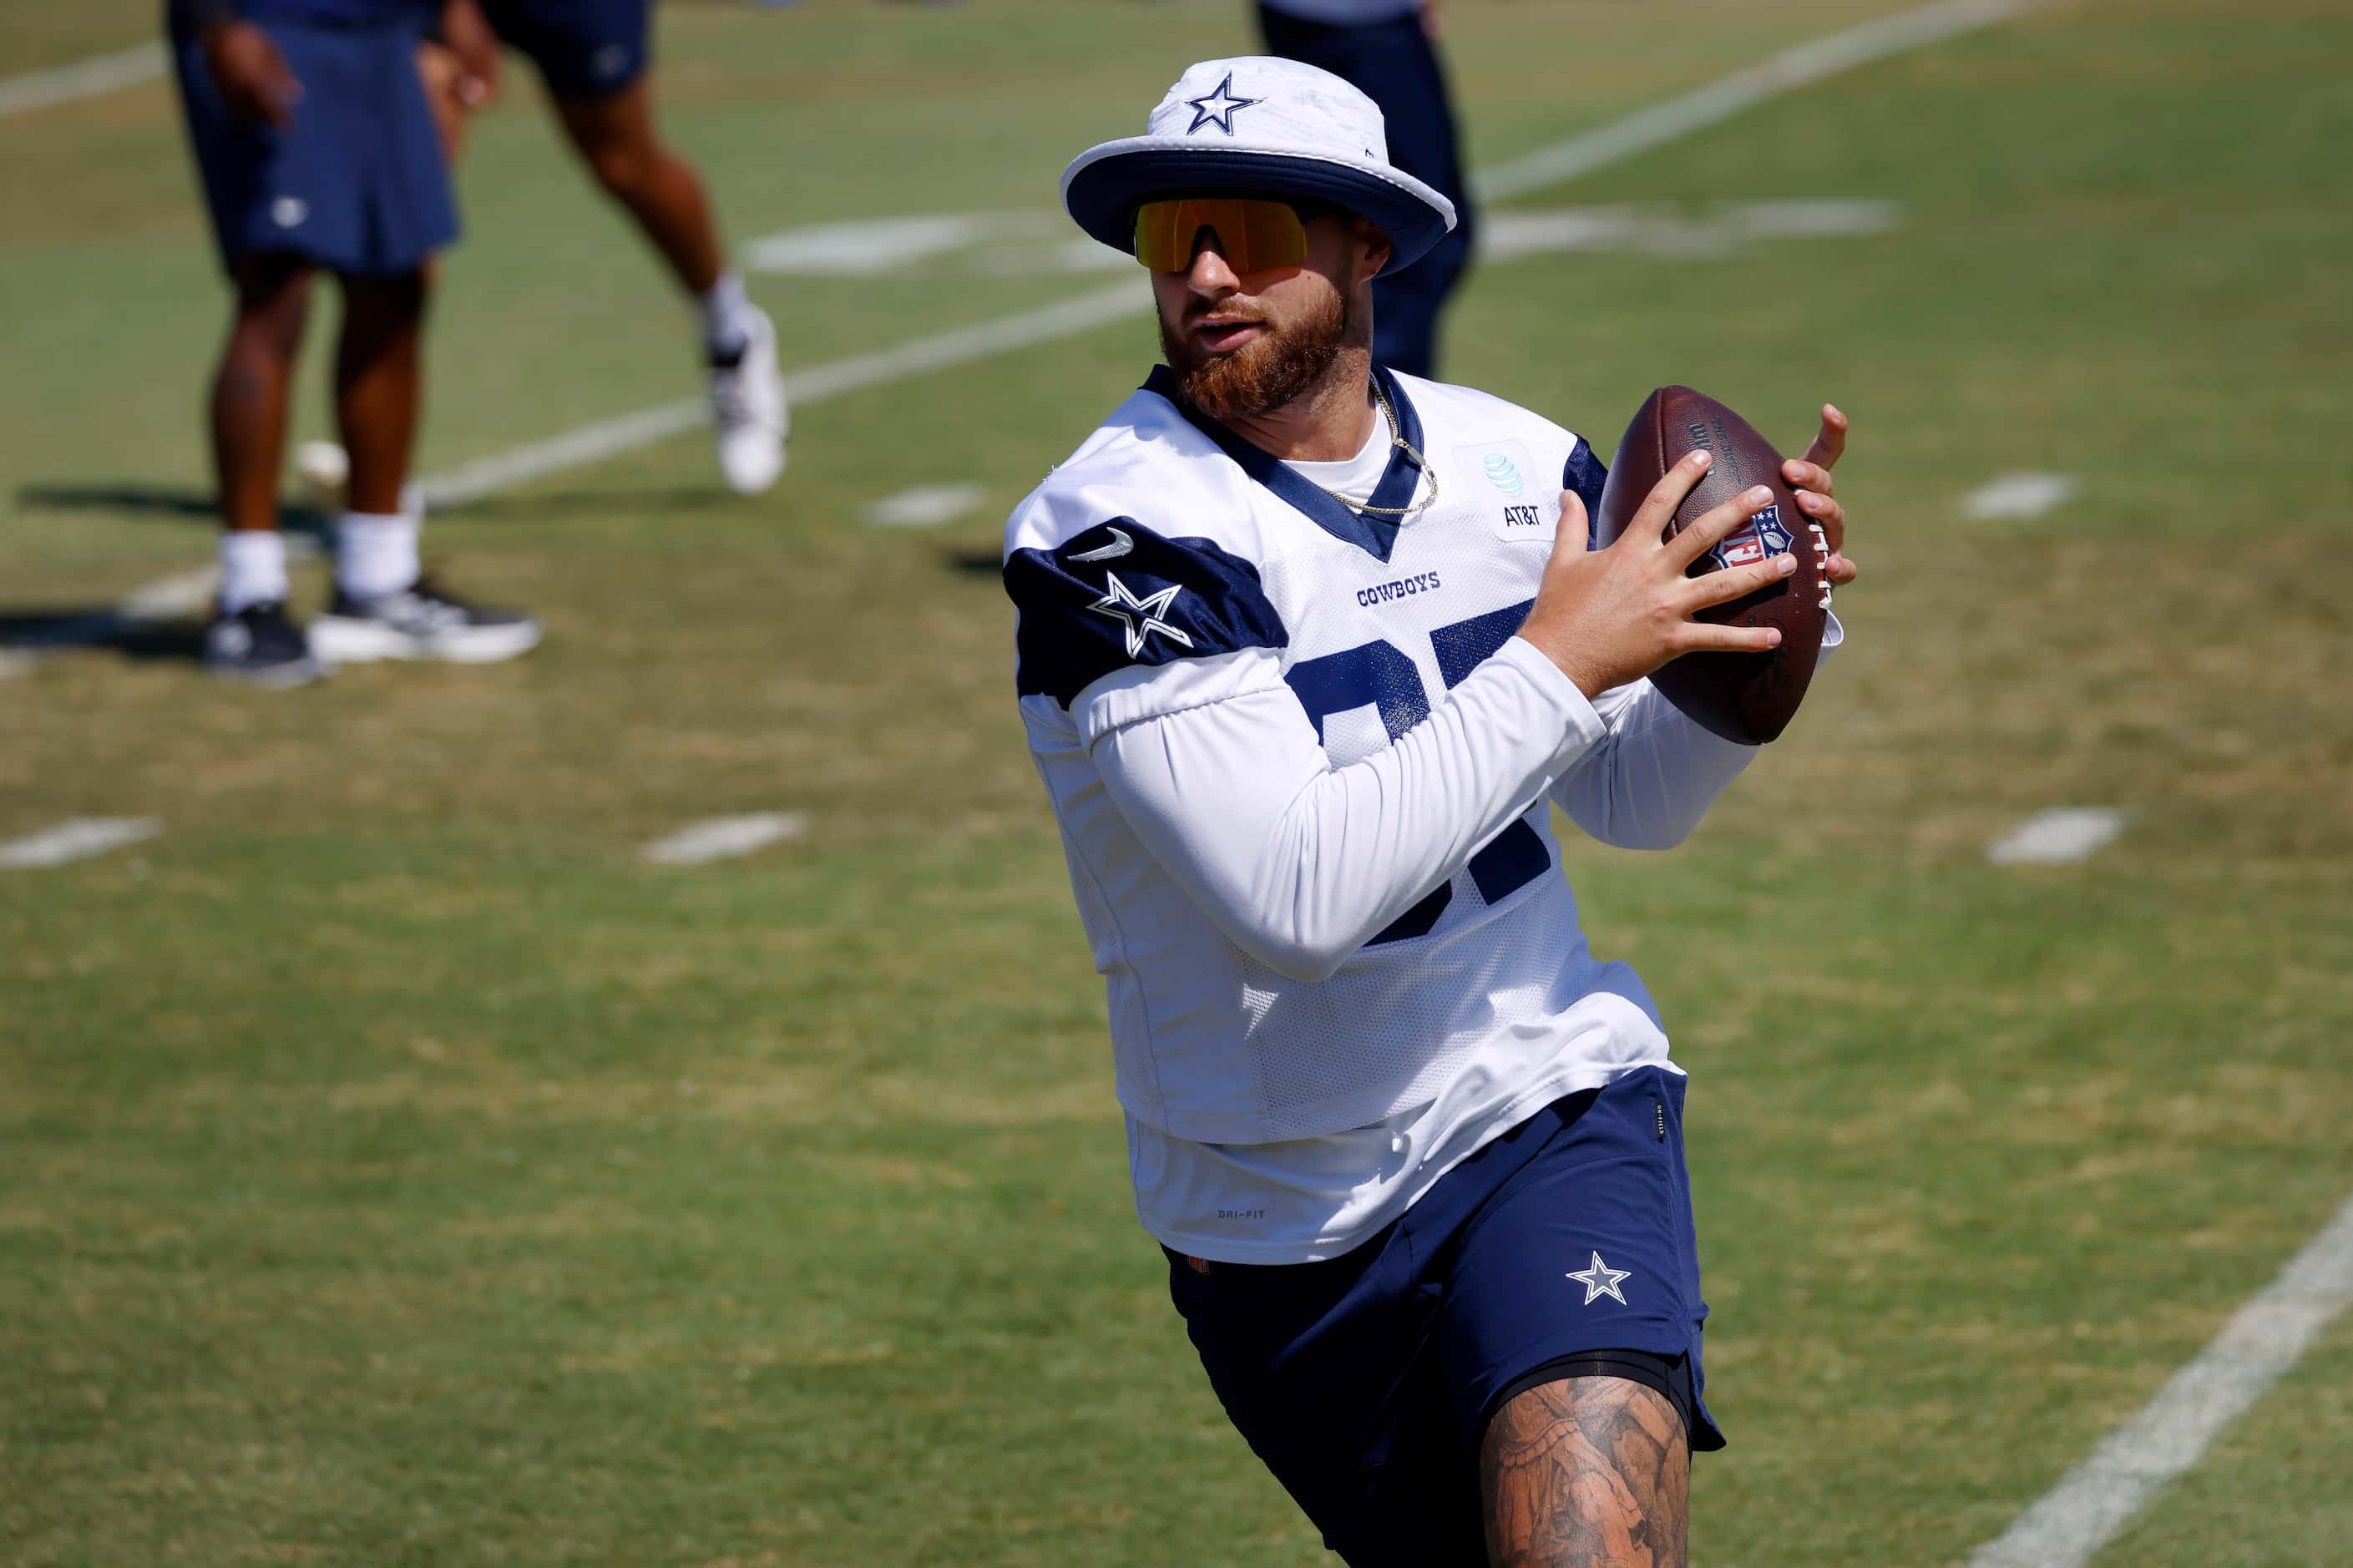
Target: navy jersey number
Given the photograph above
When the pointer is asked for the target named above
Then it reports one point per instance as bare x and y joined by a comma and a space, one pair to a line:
1378, 675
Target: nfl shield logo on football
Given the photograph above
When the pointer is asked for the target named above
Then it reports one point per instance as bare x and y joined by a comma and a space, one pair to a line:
1761, 537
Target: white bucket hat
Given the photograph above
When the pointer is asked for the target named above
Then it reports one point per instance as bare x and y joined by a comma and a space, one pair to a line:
1260, 126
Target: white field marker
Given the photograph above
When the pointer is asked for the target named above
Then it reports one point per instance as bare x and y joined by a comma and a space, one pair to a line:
1511, 235
925, 506
723, 837
2019, 495
2057, 837
2132, 1464
1802, 66
610, 438
1031, 244
76, 840
176, 597
83, 78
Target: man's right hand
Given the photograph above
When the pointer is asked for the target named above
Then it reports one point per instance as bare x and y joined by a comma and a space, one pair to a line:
467, 32
251, 74
1609, 617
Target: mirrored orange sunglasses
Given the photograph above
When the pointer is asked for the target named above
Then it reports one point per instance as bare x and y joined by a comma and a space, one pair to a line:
1254, 234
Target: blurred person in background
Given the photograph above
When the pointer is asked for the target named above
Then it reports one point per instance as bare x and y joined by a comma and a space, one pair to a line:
316, 151
1387, 50
595, 55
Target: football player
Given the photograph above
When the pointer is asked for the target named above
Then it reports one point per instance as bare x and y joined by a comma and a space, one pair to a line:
316, 149
593, 55
1308, 650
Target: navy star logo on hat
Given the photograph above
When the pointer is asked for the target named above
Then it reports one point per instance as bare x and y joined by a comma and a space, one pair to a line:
1217, 108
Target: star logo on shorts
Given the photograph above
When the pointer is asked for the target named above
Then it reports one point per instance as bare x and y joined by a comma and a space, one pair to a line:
1140, 617
1601, 1280
1217, 108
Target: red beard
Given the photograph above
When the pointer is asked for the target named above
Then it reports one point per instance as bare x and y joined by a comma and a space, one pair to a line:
1265, 373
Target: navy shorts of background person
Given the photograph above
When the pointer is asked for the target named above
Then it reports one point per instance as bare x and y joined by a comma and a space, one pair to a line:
350, 178
1384, 47
316, 149
584, 48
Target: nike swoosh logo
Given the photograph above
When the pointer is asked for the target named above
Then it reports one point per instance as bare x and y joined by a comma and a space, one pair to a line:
1120, 545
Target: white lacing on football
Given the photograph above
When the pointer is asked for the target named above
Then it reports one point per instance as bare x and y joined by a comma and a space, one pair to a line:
1822, 548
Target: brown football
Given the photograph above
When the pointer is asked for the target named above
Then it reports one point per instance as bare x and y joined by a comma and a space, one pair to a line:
1745, 697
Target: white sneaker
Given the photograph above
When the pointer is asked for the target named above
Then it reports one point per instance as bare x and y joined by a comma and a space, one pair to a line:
422, 621
748, 408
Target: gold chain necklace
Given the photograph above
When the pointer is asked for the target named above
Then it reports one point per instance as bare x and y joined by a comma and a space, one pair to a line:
1397, 443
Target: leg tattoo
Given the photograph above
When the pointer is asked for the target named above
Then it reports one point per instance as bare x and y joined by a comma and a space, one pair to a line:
1588, 1472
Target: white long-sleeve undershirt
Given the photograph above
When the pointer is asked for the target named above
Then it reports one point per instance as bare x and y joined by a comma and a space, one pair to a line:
1300, 862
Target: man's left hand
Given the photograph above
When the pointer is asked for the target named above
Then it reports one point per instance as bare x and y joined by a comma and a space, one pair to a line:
1810, 476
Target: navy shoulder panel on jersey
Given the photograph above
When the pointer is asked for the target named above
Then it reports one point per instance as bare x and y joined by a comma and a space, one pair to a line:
1118, 594
1586, 475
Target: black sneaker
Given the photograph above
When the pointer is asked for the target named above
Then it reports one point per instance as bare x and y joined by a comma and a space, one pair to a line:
259, 646
423, 621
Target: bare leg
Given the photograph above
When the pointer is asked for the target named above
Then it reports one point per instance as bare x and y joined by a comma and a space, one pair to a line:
379, 385
249, 389
1588, 1472
614, 135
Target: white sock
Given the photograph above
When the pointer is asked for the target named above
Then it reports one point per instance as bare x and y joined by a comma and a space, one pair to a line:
252, 568
376, 554
726, 316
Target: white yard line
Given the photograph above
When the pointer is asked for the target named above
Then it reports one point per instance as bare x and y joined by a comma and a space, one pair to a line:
2059, 836
925, 506
724, 837
83, 78
76, 840
2260, 1342
1802, 66
574, 449
610, 438
182, 595
2018, 495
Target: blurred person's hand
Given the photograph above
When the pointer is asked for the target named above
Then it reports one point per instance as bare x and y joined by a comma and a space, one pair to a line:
470, 37
1432, 24
252, 76
1810, 476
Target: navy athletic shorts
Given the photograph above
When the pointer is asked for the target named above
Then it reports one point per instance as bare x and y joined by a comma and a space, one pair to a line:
356, 183
1366, 1382
584, 48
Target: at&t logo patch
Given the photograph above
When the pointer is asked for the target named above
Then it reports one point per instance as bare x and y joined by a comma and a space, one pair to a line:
1511, 495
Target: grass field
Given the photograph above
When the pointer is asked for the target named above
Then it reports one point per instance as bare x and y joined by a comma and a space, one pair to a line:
395, 1169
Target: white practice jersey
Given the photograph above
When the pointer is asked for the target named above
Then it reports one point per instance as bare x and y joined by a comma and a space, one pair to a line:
1304, 775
